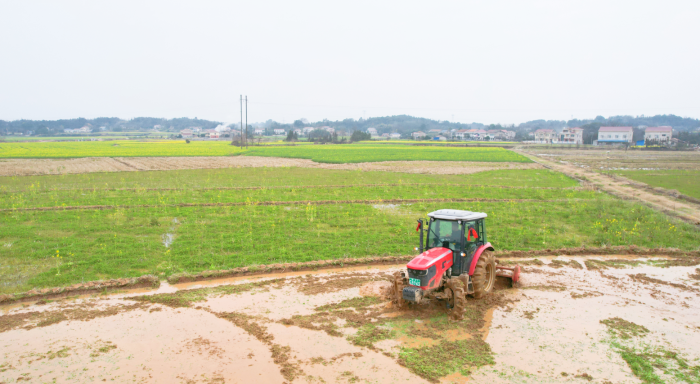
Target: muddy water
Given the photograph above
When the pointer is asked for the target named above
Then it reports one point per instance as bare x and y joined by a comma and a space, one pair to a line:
550, 324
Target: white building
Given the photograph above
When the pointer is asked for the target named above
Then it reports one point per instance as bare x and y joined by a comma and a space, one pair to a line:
545, 136
259, 131
186, 133
306, 130
418, 135
395, 135
658, 134
84, 129
372, 131
298, 131
279, 131
615, 135
572, 135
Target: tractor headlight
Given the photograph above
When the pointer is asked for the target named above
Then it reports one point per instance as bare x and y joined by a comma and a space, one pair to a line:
463, 254
415, 248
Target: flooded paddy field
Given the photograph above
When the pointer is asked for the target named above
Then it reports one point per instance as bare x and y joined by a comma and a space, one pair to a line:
613, 319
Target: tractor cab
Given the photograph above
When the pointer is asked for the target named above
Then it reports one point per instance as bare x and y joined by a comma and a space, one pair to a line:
462, 232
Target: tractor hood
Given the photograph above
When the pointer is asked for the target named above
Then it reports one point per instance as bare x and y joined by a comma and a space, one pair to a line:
428, 258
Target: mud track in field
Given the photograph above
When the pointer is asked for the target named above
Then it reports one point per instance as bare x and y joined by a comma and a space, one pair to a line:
566, 321
30, 167
619, 187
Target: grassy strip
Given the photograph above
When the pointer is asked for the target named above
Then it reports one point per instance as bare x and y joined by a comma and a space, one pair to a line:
321, 153
273, 177
360, 153
270, 203
185, 298
99, 245
261, 196
684, 181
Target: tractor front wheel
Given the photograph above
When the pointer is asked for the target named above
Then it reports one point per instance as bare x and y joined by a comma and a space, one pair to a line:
397, 294
484, 275
458, 300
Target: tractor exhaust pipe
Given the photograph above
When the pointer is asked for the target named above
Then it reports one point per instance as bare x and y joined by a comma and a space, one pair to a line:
420, 240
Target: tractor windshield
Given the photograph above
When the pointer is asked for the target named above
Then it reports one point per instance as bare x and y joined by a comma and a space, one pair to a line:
444, 233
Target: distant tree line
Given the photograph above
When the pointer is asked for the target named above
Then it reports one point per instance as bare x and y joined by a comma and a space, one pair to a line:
113, 124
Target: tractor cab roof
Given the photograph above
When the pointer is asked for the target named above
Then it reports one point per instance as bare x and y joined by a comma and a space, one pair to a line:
454, 214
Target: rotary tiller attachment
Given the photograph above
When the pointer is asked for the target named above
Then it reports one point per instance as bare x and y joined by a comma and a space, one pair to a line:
511, 274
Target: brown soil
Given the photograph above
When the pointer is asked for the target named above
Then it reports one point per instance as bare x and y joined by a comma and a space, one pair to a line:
685, 210
28, 167
606, 158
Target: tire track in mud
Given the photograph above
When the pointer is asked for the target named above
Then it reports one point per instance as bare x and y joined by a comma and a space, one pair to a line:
294, 202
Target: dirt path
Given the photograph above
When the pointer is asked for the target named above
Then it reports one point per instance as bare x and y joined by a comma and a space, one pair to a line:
687, 211
31, 167
567, 321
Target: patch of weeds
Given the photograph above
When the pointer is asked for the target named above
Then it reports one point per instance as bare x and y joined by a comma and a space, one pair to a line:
584, 376
185, 298
623, 328
85, 311
563, 263
521, 262
643, 278
61, 353
249, 324
280, 353
696, 275
684, 262
349, 376
281, 357
447, 357
103, 349
322, 321
314, 285
651, 364
369, 334
556, 288
355, 302
648, 362
575, 295
593, 264
530, 314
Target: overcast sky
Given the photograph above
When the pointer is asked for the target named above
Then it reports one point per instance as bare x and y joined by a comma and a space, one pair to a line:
467, 61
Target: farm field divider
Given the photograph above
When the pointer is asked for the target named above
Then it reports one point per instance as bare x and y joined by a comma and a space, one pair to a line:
298, 202
302, 187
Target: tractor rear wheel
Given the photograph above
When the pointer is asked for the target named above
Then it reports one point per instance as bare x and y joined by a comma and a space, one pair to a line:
397, 294
484, 274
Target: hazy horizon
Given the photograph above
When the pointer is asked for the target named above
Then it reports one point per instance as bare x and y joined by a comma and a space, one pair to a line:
499, 62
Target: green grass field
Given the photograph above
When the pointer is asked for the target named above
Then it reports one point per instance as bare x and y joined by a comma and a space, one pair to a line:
56, 247
685, 181
349, 153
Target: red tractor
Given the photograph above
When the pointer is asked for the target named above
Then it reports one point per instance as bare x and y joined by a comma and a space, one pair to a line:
457, 261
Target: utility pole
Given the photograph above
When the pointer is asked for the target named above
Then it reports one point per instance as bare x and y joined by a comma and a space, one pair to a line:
241, 121
246, 121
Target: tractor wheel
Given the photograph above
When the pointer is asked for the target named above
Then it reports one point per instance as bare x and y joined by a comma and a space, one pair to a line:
458, 300
460, 304
484, 275
397, 292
